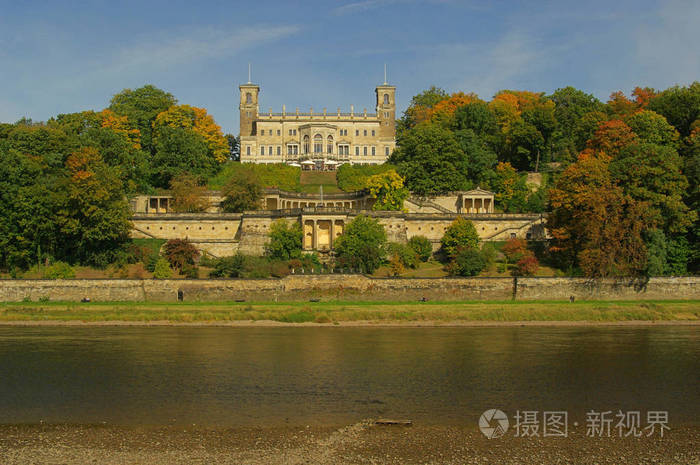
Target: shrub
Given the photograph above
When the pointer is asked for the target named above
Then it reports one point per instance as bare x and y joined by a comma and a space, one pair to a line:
285, 241
59, 270
469, 262
527, 265
180, 253
397, 268
279, 269
514, 249
405, 254
190, 271
422, 247
460, 235
162, 269
228, 267
362, 245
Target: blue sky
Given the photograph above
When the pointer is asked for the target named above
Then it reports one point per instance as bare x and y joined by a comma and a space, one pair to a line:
62, 57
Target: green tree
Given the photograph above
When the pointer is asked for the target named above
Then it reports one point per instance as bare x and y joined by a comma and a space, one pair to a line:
362, 245
468, 262
510, 187
422, 247
242, 191
481, 159
388, 191
652, 173
141, 106
679, 105
179, 151
162, 269
94, 220
461, 234
228, 267
574, 111
653, 128
285, 241
430, 160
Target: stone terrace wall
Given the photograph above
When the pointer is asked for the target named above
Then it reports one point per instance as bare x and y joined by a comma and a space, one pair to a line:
349, 287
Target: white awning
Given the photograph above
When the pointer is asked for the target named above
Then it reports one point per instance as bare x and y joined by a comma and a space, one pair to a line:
296, 165
331, 162
307, 162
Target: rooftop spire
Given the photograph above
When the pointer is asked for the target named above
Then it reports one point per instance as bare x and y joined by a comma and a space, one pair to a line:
249, 73
385, 74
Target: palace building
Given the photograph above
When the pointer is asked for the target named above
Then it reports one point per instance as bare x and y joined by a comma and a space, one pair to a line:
319, 140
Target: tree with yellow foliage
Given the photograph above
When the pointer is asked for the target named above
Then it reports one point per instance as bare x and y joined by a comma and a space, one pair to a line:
198, 121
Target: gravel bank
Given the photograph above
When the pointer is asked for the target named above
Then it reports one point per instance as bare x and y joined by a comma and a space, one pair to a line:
361, 443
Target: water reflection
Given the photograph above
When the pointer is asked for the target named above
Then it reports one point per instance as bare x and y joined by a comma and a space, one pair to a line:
233, 376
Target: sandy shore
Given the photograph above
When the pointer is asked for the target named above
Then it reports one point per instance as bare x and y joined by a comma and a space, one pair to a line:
360, 443
368, 323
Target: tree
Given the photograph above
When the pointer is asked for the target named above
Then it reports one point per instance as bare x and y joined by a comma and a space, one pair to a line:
403, 254
94, 220
228, 267
430, 160
510, 187
162, 269
141, 106
611, 137
285, 241
481, 159
198, 121
469, 262
388, 191
180, 253
422, 247
417, 111
679, 105
461, 234
234, 147
652, 174
179, 151
527, 265
594, 225
362, 245
652, 128
241, 192
188, 195
570, 107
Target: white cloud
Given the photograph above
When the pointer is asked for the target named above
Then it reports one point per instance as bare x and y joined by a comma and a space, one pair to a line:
203, 44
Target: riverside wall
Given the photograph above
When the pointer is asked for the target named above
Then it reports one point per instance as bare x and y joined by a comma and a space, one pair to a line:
350, 287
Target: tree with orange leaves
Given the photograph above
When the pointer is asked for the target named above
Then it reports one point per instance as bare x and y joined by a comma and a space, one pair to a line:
120, 125
595, 226
198, 121
611, 137
443, 112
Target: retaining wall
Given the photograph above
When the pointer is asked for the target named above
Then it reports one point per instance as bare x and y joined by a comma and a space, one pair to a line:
349, 287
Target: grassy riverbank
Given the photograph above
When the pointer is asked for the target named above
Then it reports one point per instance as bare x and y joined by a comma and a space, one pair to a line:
348, 312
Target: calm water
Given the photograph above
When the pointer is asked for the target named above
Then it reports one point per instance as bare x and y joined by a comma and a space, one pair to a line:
236, 376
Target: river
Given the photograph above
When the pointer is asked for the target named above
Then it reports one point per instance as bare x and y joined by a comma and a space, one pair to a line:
224, 376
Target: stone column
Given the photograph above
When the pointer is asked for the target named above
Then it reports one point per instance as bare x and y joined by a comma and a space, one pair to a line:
315, 236
332, 238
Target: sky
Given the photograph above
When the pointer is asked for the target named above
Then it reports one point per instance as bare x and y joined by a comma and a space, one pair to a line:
68, 56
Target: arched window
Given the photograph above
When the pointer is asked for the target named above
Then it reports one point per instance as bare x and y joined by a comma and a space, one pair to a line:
318, 143
330, 144
306, 144
248, 98
386, 99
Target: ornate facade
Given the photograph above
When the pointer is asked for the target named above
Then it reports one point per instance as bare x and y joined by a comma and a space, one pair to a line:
319, 140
